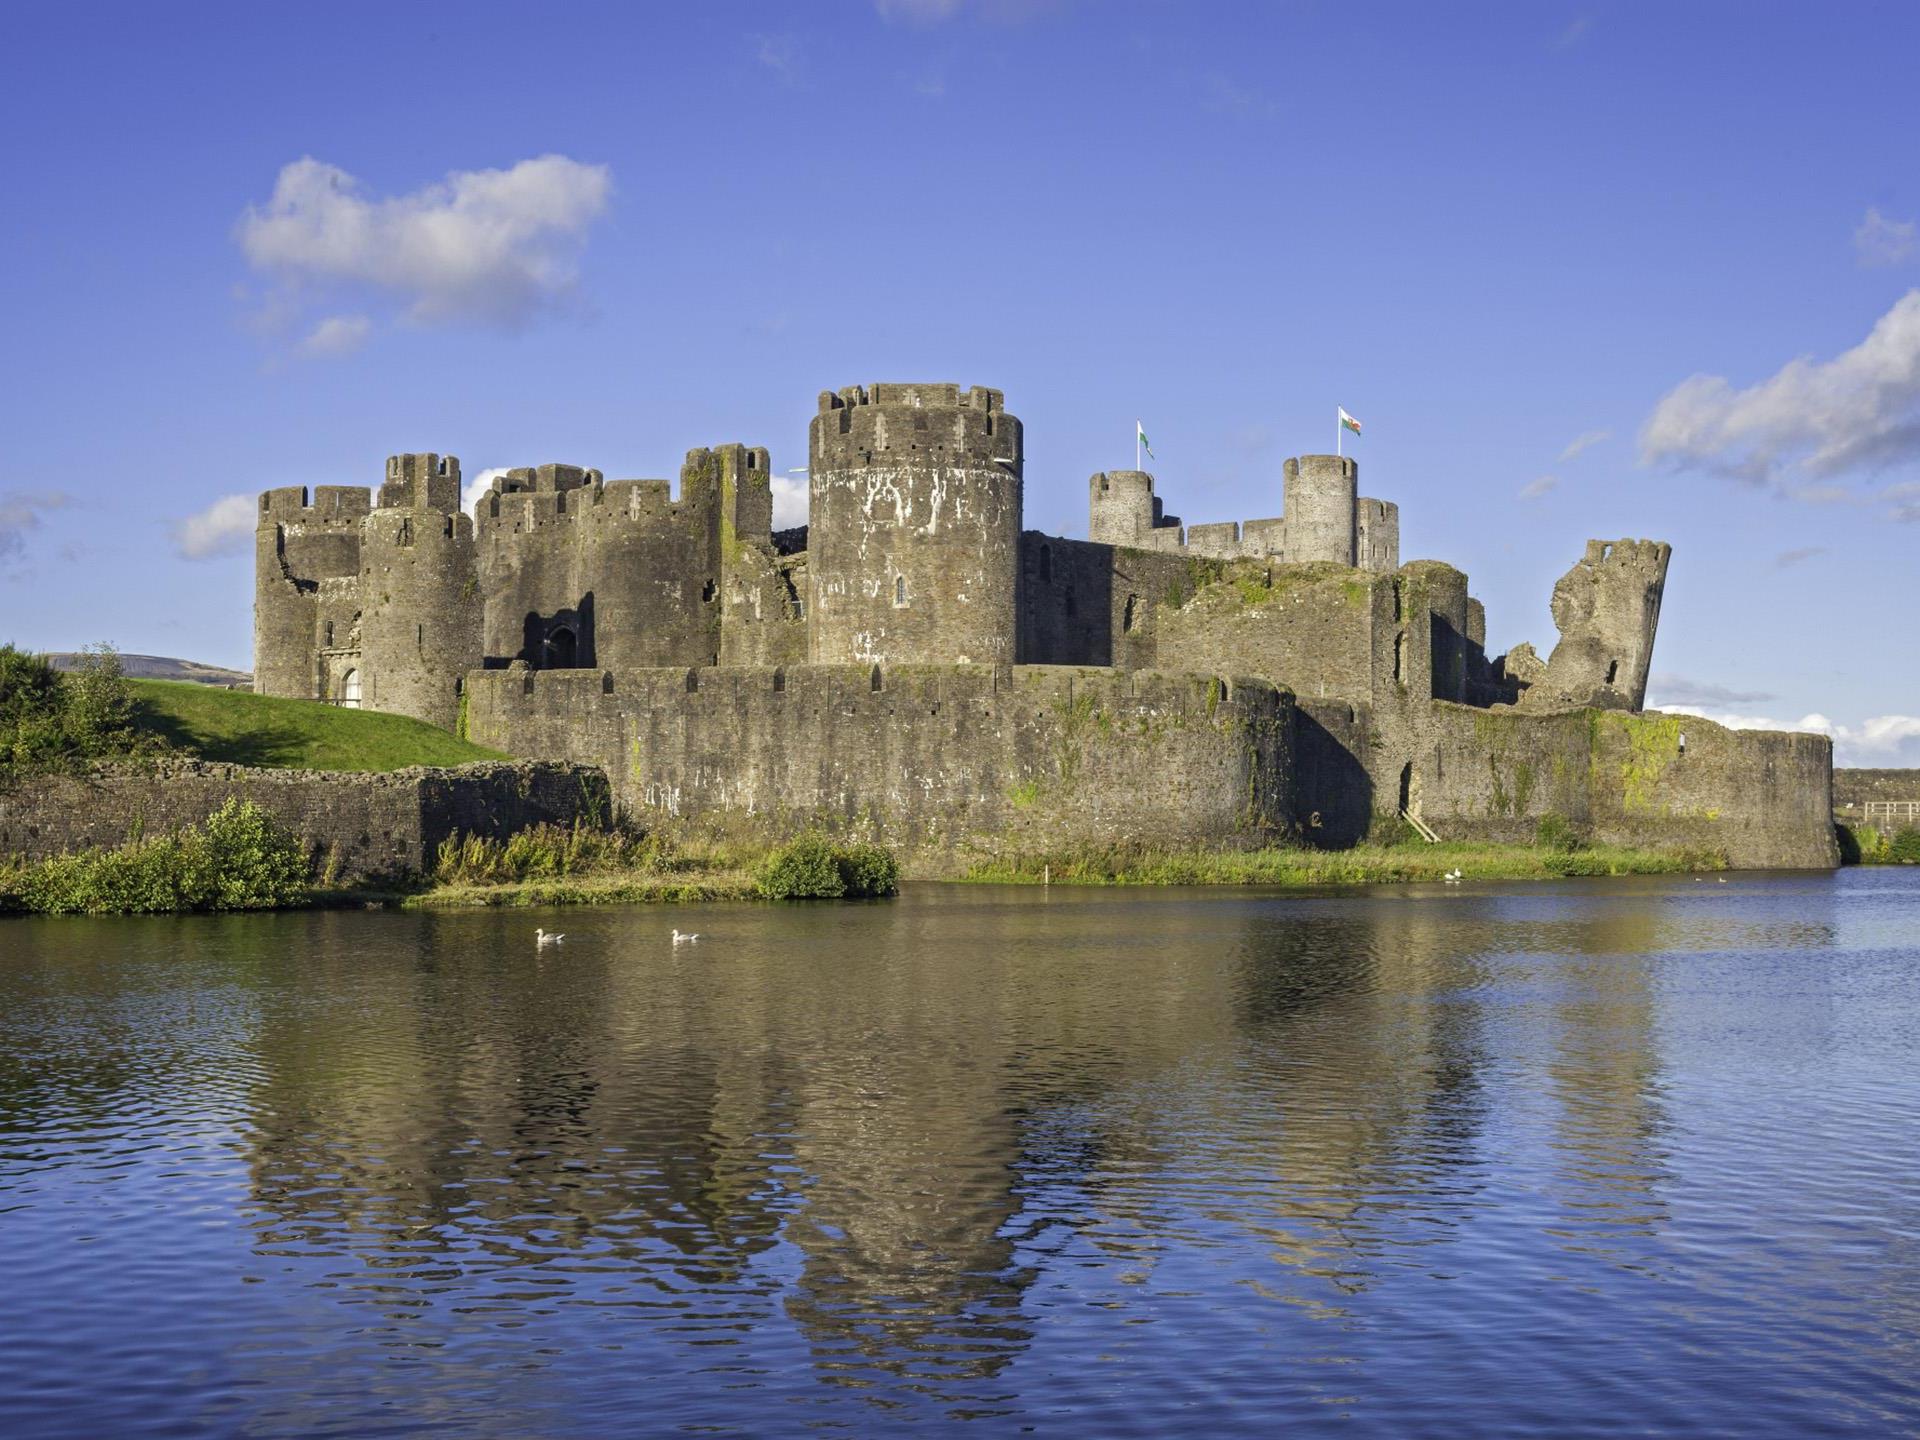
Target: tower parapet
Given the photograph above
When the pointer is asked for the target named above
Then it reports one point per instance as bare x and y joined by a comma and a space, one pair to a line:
1320, 491
426, 482
1123, 510
301, 541
914, 525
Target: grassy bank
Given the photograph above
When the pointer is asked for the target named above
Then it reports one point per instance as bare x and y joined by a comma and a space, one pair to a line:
242, 728
1362, 865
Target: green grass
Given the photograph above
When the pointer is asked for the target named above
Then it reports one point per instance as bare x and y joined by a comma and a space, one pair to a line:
249, 729
1362, 865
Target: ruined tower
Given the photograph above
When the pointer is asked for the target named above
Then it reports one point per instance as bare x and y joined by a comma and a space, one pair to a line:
1607, 609
419, 598
914, 526
306, 567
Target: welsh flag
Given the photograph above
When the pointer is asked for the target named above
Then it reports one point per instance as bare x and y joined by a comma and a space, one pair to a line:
1140, 434
1347, 422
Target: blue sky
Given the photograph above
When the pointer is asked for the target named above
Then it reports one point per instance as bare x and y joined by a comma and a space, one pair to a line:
269, 245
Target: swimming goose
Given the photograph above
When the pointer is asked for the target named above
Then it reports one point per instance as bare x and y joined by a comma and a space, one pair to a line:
680, 939
541, 939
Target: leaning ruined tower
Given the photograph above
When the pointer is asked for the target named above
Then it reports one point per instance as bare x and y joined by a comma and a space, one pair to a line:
914, 526
420, 625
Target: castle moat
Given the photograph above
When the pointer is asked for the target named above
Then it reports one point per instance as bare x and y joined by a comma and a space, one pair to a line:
1602, 1157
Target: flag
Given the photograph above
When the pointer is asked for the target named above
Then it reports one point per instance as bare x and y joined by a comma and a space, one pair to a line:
1347, 422
1141, 435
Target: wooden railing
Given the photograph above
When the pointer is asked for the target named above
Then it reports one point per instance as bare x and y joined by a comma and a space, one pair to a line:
1420, 826
1891, 812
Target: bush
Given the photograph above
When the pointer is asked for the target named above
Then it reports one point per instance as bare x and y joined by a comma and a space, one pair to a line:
811, 867
240, 859
1904, 848
48, 720
1557, 834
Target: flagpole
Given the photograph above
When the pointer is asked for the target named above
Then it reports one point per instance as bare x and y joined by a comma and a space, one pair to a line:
1339, 433
1136, 446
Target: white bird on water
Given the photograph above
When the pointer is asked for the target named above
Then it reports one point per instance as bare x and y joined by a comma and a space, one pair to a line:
541, 939
1452, 877
683, 939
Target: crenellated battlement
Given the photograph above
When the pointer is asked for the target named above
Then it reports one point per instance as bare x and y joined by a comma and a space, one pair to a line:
895, 424
327, 505
422, 482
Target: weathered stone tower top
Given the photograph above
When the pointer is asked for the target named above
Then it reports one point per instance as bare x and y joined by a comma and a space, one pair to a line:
914, 525
422, 482
1320, 491
1124, 510
885, 424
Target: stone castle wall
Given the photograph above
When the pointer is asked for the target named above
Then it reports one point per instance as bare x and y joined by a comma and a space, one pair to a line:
935, 760
379, 825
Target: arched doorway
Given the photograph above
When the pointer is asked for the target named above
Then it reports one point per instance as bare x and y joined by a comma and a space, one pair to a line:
561, 648
350, 689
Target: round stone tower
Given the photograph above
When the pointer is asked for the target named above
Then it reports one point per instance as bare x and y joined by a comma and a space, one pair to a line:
914, 526
419, 593
1320, 491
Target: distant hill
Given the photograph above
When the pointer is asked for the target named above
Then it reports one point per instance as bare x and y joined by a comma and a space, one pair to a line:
163, 667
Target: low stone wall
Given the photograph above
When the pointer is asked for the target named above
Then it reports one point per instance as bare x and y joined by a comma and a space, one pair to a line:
1761, 797
378, 824
933, 760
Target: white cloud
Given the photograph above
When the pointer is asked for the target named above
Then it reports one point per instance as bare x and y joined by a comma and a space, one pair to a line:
224, 528
935, 12
1857, 411
1880, 241
1678, 690
479, 485
494, 246
20, 514
1538, 486
789, 501
1882, 740
337, 335
1583, 442
1575, 32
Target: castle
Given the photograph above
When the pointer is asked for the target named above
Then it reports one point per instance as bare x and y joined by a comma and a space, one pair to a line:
916, 663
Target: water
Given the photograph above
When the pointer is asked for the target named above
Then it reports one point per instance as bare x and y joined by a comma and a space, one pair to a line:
1597, 1158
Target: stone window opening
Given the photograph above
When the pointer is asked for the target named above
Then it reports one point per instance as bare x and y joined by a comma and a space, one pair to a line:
419, 637
1400, 657
1128, 616
707, 592
1613, 669
899, 590
329, 640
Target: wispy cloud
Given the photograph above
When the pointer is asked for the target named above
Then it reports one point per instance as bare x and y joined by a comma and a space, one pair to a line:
224, 528
1878, 240
778, 53
1582, 443
487, 246
936, 12
1882, 740
1576, 31
1670, 689
1538, 486
1788, 558
336, 335
21, 513
1855, 413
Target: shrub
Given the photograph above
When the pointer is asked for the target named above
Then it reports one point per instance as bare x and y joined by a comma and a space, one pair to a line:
803, 869
1556, 833
811, 867
542, 852
48, 719
1904, 848
240, 859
